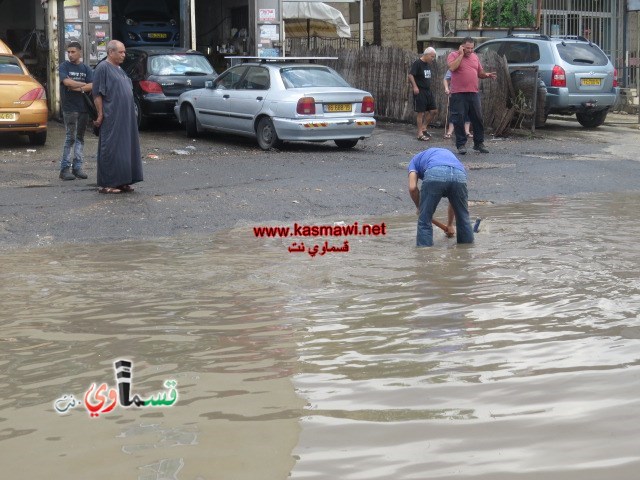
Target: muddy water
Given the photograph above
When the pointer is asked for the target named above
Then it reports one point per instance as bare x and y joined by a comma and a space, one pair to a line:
515, 358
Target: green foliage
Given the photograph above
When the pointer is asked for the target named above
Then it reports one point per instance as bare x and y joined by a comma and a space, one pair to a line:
513, 13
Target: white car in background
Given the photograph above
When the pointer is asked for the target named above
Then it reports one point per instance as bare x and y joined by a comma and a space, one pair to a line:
280, 100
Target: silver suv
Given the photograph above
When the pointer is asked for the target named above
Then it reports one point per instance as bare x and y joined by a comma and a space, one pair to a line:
578, 75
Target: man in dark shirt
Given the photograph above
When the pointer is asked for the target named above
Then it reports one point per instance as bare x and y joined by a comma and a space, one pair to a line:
75, 78
424, 103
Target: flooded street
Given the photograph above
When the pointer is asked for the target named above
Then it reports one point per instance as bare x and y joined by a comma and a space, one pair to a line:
514, 358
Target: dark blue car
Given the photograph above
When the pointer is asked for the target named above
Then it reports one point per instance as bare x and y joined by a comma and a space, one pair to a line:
146, 22
160, 74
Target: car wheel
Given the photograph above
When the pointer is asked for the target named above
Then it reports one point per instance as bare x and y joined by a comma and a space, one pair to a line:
190, 125
266, 134
38, 138
592, 119
141, 119
348, 143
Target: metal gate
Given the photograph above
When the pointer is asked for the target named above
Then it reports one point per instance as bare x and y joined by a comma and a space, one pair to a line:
592, 19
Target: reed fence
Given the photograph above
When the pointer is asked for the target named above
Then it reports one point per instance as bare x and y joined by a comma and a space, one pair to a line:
383, 71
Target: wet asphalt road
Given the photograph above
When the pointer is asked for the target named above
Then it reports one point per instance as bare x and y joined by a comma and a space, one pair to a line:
228, 181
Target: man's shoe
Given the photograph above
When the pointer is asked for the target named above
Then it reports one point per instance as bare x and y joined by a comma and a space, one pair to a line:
480, 148
65, 174
462, 150
80, 174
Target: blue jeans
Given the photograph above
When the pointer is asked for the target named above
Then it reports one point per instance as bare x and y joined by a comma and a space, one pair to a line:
441, 182
466, 106
75, 124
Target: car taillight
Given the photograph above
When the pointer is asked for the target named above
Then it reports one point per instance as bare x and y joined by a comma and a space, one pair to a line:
558, 77
615, 77
35, 94
306, 106
150, 87
368, 105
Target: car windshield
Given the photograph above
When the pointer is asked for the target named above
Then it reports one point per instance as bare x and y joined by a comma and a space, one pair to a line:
179, 65
297, 77
10, 66
582, 54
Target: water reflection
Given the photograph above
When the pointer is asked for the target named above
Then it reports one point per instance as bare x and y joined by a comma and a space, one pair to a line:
387, 362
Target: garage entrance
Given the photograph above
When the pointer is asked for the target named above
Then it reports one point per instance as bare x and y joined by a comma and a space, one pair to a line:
22, 28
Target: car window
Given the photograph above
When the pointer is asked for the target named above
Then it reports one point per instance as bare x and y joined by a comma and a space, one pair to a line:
521, 52
10, 66
297, 77
257, 78
230, 78
491, 47
179, 65
131, 65
582, 54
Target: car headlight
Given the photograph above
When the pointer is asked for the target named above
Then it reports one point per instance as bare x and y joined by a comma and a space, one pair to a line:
130, 22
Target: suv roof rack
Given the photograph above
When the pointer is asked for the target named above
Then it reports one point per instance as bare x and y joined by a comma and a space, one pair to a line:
244, 59
579, 38
530, 35
571, 37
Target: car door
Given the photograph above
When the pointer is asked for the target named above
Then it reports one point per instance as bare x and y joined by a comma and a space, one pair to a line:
248, 99
213, 105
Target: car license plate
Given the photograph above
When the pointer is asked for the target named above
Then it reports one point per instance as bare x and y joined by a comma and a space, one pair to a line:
338, 107
158, 35
590, 81
7, 117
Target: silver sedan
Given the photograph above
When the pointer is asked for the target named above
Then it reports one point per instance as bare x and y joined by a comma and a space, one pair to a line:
280, 101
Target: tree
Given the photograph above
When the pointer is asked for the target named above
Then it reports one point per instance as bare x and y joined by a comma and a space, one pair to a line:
502, 13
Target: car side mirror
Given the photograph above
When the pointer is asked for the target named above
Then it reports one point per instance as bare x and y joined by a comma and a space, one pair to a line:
208, 84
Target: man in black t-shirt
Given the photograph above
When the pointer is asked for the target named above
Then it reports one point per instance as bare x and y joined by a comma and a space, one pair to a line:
75, 78
424, 103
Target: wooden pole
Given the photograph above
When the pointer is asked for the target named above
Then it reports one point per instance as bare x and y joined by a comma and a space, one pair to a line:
455, 21
53, 77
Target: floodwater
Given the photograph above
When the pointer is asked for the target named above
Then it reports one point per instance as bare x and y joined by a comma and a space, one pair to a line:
515, 358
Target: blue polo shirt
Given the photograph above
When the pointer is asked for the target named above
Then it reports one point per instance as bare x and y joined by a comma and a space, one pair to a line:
433, 157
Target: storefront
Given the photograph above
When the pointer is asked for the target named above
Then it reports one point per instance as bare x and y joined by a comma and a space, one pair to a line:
218, 28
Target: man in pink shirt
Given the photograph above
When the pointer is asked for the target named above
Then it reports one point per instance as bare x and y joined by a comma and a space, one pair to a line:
464, 100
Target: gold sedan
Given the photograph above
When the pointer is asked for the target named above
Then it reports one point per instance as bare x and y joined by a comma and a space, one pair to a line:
23, 100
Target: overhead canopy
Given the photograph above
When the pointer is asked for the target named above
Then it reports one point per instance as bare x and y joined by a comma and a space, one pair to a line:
304, 19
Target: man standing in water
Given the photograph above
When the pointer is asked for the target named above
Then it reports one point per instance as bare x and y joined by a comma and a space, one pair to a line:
442, 175
119, 162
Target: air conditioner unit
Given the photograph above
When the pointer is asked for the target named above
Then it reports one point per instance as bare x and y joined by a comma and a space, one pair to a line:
428, 25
